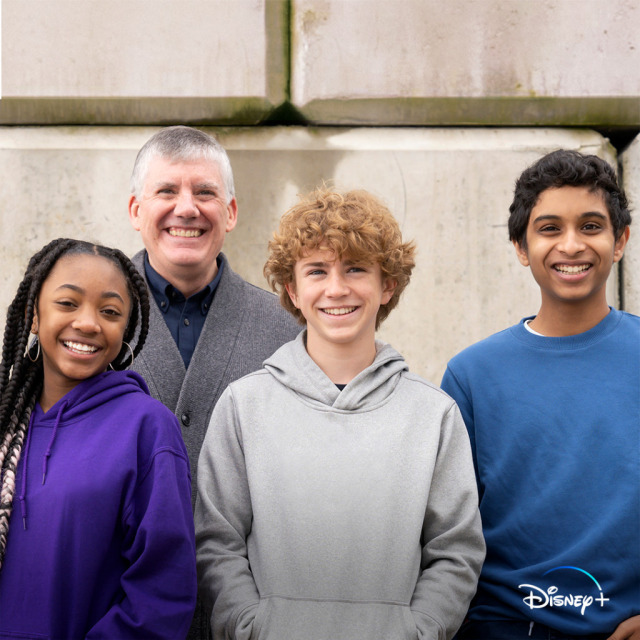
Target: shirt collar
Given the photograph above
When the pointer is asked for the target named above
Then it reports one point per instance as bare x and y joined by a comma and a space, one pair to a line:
165, 293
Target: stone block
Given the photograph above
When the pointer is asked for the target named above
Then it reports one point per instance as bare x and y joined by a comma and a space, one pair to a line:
463, 62
142, 61
449, 188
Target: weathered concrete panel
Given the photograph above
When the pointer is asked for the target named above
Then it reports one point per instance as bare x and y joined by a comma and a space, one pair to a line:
495, 62
449, 188
142, 61
631, 261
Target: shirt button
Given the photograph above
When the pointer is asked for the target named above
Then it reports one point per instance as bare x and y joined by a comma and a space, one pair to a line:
186, 322
185, 418
163, 304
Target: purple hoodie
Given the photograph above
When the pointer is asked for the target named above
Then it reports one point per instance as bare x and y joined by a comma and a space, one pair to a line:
108, 549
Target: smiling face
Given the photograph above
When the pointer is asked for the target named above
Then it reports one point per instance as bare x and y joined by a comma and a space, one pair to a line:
183, 216
571, 248
82, 312
339, 300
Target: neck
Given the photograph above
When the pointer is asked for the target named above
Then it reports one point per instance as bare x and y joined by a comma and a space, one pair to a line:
341, 363
51, 394
568, 319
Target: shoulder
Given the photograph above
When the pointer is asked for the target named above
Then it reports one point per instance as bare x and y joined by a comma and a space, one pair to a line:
251, 385
261, 297
252, 395
151, 416
421, 391
626, 333
629, 320
499, 342
250, 291
263, 306
139, 412
138, 261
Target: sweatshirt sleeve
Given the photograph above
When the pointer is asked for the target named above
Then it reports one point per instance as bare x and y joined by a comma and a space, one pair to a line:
223, 517
453, 546
159, 583
452, 385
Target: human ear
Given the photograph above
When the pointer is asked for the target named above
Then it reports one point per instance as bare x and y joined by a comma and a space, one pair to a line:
232, 215
34, 324
618, 249
291, 290
388, 288
522, 254
134, 216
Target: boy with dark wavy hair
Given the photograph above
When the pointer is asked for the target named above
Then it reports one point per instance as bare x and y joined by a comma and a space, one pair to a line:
552, 406
336, 491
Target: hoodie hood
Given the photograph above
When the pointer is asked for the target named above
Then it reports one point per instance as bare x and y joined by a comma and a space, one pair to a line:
292, 366
90, 393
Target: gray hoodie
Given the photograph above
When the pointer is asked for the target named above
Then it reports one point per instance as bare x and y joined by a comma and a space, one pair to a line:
325, 514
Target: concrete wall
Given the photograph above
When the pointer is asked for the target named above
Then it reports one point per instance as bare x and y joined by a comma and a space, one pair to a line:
631, 260
408, 66
384, 62
449, 188
142, 61
459, 62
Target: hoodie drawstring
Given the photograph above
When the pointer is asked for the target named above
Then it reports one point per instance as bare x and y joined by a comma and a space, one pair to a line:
47, 454
23, 488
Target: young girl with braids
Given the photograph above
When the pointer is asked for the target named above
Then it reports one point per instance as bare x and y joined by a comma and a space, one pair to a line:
96, 528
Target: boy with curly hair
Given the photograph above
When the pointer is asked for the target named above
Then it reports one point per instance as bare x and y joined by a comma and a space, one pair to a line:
336, 489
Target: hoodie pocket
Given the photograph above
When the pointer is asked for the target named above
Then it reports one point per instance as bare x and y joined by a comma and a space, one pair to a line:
280, 618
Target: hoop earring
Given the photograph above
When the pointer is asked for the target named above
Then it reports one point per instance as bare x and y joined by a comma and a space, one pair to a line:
132, 357
30, 346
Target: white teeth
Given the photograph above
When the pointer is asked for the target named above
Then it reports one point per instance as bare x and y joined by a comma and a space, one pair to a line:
185, 233
79, 347
563, 268
339, 311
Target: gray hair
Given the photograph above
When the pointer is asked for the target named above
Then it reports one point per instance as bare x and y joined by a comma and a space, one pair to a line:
180, 143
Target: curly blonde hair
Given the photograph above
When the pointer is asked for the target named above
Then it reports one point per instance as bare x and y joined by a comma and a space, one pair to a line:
355, 225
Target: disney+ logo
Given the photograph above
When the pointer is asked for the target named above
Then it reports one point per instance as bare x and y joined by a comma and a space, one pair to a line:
538, 598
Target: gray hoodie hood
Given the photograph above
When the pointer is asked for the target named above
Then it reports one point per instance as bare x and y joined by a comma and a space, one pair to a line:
292, 367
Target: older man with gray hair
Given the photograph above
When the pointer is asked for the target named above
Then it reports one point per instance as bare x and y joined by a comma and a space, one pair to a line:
208, 326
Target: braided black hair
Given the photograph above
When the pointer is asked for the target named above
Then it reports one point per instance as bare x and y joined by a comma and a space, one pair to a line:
21, 373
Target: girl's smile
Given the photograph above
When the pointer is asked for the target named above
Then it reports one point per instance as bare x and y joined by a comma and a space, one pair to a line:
82, 312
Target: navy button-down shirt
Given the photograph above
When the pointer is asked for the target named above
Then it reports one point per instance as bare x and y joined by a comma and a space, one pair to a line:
185, 317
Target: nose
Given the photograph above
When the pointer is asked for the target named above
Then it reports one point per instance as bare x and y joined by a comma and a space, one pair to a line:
185, 205
336, 285
571, 243
86, 321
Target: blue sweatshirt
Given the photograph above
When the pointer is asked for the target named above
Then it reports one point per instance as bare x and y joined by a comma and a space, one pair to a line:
108, 549
555, 433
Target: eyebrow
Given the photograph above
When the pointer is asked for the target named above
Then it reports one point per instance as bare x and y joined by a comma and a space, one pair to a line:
105, 294
207, 185
347, 261
586, 214
199, 185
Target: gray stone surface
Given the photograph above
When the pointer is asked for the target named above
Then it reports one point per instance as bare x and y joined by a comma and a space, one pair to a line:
449, 188
631, 261
459, 62
352, 62
142, 61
